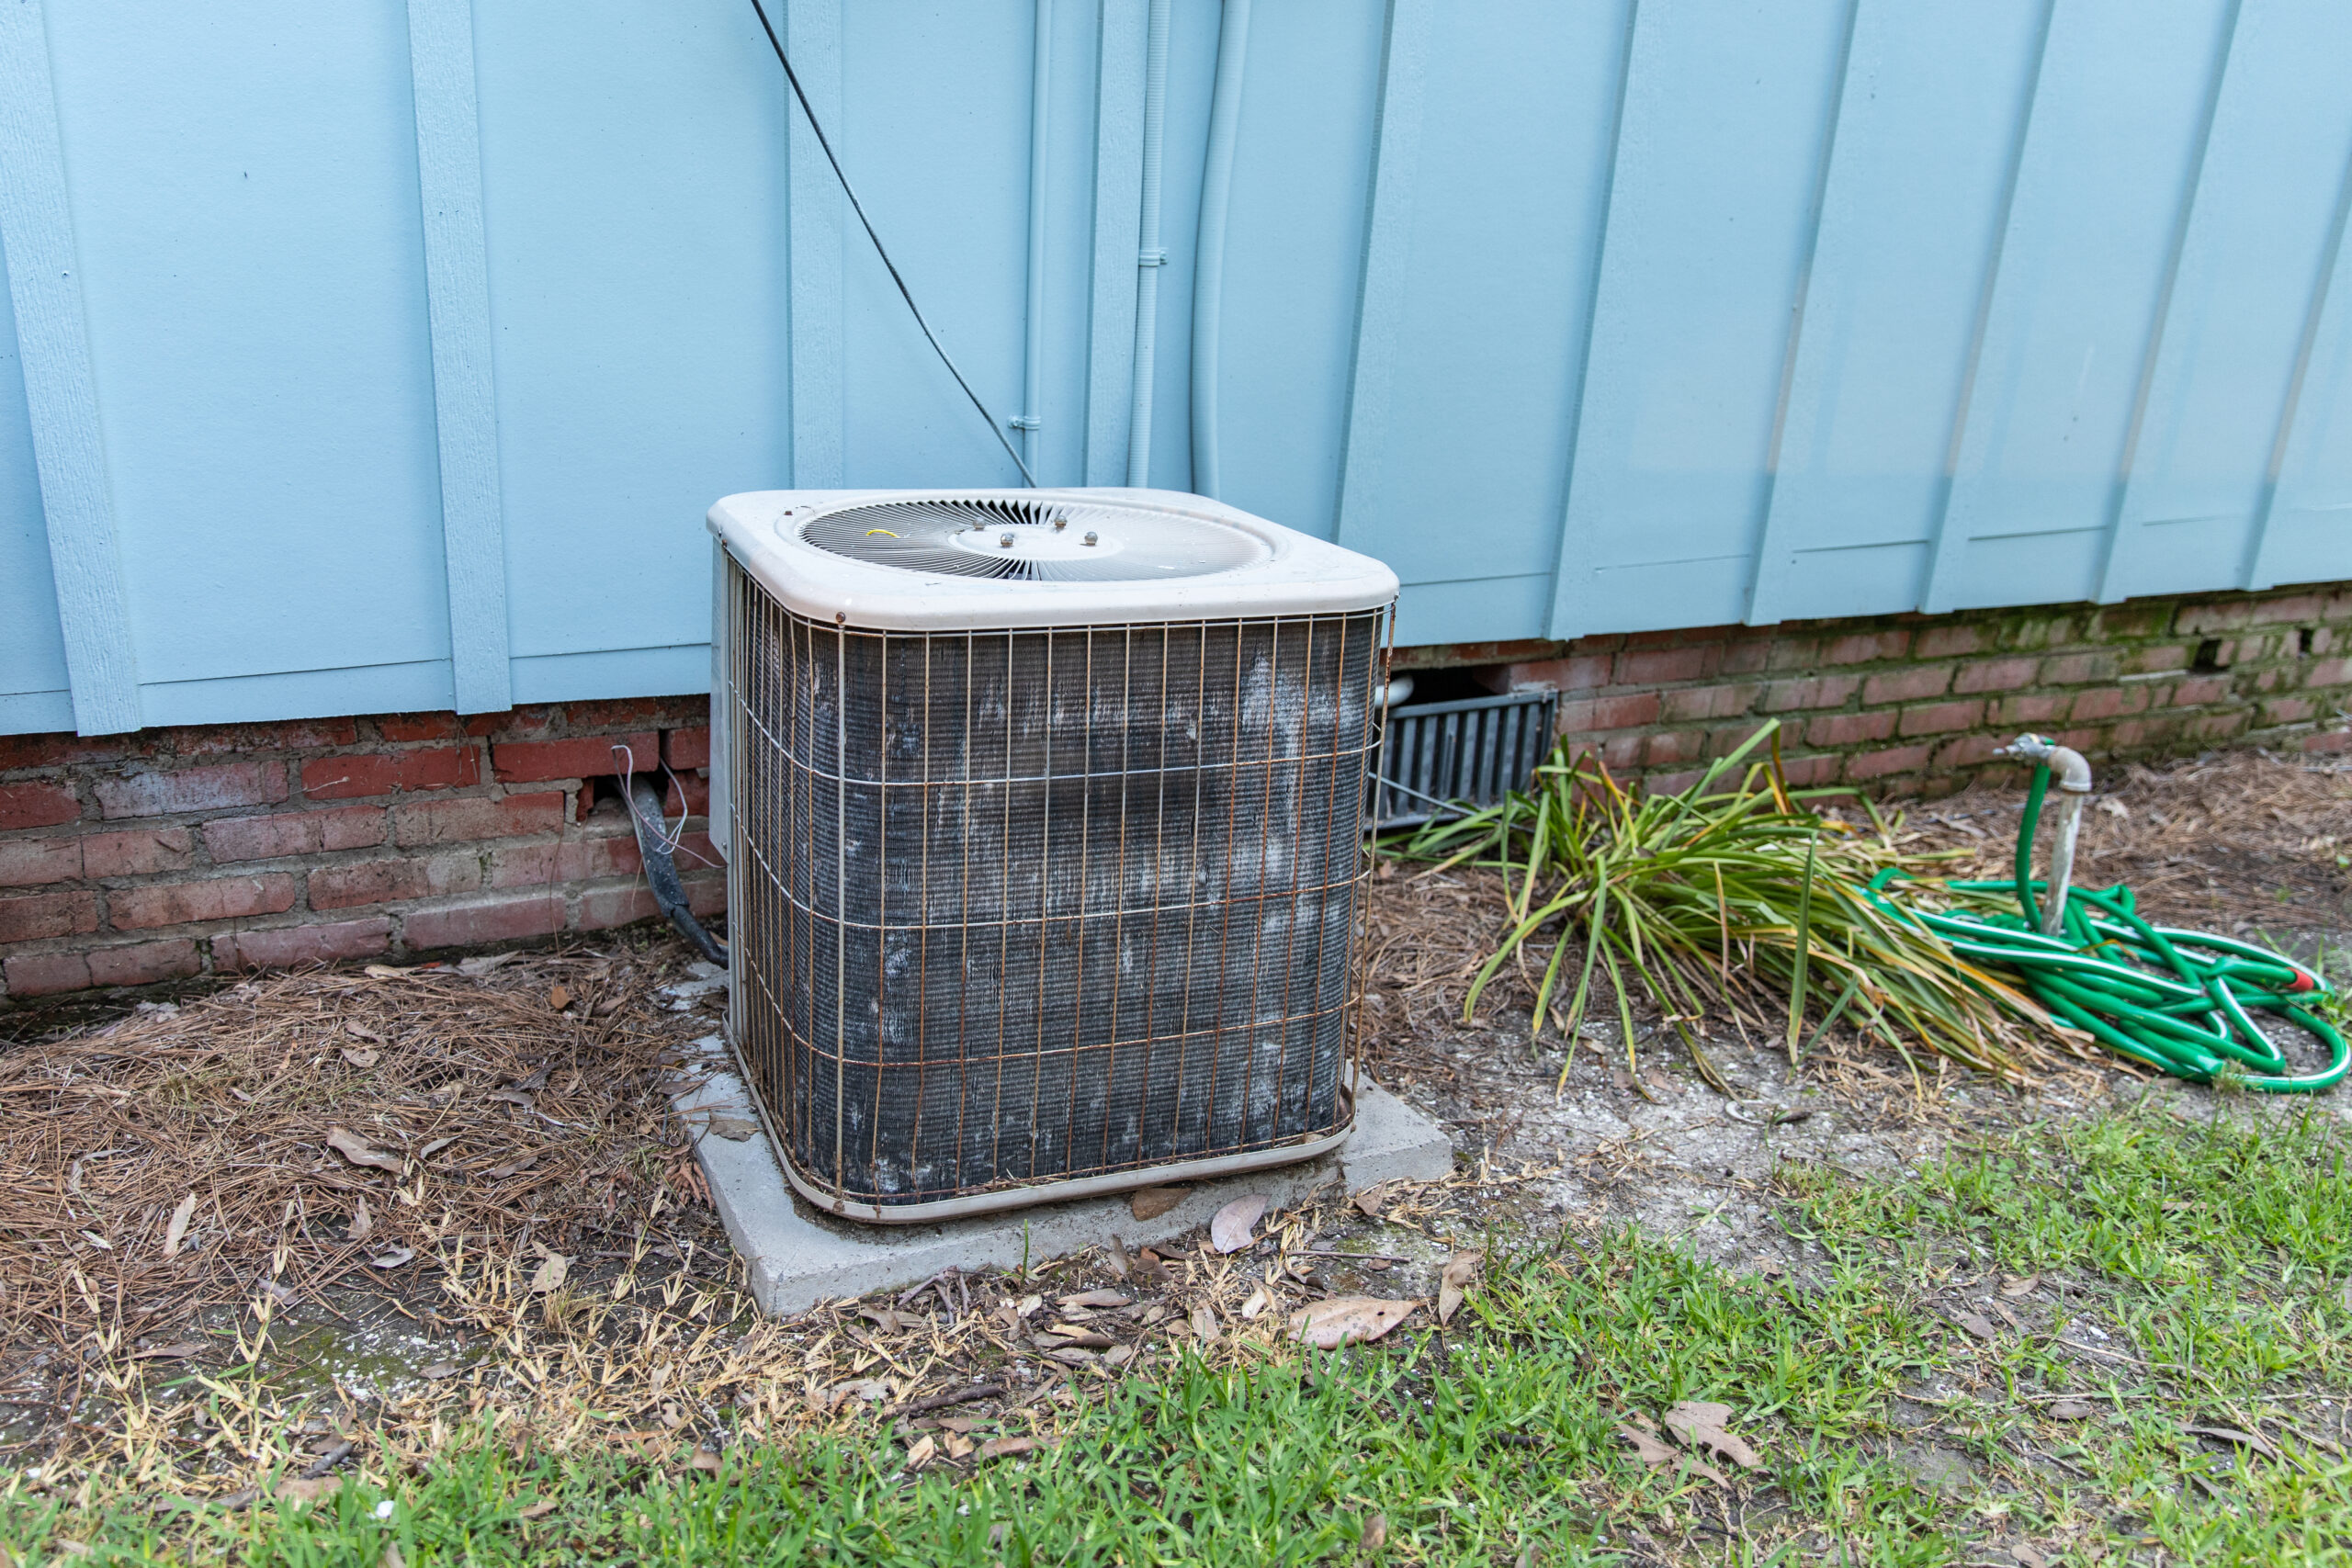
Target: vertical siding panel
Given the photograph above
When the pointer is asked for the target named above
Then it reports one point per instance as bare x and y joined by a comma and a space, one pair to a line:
1381, 299
1912, 210
818, 223
61, 392
2253, 261
2304, 534
2165, 367
1119, 210
2110, 145
465, 401
1719, 161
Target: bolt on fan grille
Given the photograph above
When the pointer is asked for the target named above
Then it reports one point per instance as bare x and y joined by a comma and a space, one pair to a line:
1034, 541
1023, 907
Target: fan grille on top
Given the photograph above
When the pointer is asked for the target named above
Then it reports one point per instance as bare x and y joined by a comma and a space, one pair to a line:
1033, 541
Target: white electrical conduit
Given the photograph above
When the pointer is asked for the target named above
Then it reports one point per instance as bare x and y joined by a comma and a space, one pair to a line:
1030, 420
1208, 266
1151, 256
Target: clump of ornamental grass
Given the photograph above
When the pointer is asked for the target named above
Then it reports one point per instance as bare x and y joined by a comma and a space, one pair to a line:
1734, 897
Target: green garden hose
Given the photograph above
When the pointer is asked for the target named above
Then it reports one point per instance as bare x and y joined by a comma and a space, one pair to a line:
2179, 1000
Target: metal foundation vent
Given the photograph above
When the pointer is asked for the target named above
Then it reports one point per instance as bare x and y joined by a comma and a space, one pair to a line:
1438, 756
1023, 911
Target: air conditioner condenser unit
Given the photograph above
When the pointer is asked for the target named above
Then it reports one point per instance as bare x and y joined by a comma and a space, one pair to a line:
1043, 817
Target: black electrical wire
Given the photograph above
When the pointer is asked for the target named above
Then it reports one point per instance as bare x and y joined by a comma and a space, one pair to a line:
859, 208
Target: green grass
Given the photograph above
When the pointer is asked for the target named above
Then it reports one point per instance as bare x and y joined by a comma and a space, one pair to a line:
1495, 1443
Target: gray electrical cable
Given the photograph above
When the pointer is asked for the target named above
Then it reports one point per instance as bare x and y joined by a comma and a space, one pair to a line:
905, 293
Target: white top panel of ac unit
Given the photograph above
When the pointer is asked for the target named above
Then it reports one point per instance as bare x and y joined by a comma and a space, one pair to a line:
954, 560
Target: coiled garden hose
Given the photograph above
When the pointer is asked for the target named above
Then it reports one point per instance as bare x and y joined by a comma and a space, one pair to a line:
2178, 1000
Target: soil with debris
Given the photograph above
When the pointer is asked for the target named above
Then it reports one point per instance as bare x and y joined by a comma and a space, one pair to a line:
2247, 844
318, 1218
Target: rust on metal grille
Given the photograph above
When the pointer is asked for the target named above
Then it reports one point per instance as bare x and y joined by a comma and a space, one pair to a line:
1020, 913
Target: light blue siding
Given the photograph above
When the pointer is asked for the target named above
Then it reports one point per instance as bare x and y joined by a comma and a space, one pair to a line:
381, 380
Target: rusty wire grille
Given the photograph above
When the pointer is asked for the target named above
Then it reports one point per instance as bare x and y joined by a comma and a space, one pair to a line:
1017, 909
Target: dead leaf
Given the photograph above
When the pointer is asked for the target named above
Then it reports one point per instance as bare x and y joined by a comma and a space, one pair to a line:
362, 1221
1976, 1323
2028, 1557
2072, 1410
2013, 1287
510, 1097
438, 1370
300, 1489
387, 971
2254, 1440
514, 1166
1645, 1447
558, 997
176, 1352
924, 1449
1098, 1299
1231, 1230
435, 1147
1701, 1424
1116, 1258
1460, 1269
553, 1267
475, 969
538, 1510
1346, 1320
1204, 1323
1149, 1269
2113, 807
392, 1558
706, 1461
1374, 1198
393, 1259
1150, 1203
1012, 1448
1261, 1300
1118, 1355
362, 1031
176, 1230
734, 1129
867, 1389
359, 1151
359, 1055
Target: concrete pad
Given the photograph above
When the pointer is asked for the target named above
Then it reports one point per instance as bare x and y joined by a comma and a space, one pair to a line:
798, 1257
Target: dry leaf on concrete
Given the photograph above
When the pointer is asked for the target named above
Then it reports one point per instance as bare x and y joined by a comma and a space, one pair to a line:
1701, 1424
176, 1230
1347, 1320
1150, 1203
1374, 1198
359, 1151
1460, 1269
1231, 1230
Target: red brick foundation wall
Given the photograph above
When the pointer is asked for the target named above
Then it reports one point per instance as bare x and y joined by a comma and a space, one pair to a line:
135, 860
131, 860
1916, 703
